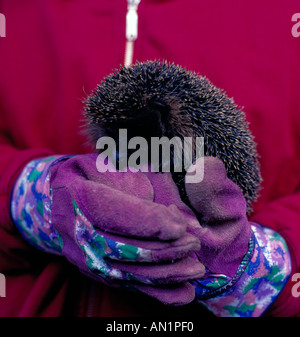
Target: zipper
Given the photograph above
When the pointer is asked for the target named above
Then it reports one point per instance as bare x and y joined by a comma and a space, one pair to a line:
131, 36
131, 30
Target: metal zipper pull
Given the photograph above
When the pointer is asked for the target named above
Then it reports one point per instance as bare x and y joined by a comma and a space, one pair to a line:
131, 29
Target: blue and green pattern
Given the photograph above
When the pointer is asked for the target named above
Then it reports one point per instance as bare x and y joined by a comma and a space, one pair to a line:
254, 287
31, 211
257, 283
98, 249
31, 206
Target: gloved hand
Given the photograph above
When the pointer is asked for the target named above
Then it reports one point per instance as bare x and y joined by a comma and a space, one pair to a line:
221, 208
247, 264
121, 229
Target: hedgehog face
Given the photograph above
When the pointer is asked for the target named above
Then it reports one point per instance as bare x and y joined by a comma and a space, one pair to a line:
159, 99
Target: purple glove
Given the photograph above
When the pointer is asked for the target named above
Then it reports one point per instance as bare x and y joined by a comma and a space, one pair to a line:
221, 208
247, 264
122, 229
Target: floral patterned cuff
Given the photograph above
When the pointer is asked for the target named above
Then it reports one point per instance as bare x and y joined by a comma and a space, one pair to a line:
31, 205
260, 278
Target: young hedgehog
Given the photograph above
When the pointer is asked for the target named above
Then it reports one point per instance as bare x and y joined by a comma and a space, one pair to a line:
156, 99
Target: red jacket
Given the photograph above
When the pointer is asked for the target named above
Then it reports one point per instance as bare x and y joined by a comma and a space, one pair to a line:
54, 54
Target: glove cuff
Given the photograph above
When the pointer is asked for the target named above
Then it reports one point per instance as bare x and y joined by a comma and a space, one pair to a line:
259, 280
31, 205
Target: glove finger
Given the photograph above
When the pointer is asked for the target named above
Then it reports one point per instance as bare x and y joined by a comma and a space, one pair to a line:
92, 245
163, 273
129, 249
216, 197
120, 202
179, 294
102, 244
222, 211
120, 213
148, 273
220, 204
172, 294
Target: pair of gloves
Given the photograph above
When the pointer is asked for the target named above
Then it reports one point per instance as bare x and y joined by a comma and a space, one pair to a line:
132, 230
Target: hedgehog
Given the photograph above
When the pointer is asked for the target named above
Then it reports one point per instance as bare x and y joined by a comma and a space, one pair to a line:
161, 99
